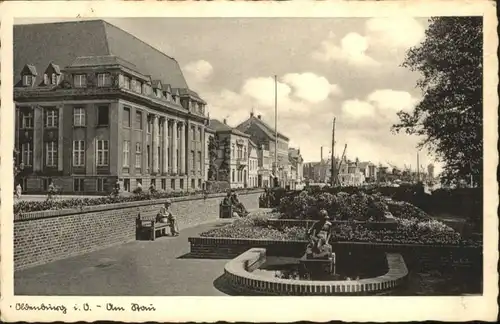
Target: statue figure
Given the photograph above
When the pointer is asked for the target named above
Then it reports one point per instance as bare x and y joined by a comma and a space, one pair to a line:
319, 236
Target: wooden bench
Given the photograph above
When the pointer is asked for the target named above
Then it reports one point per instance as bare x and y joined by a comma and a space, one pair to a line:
146, 226
225, 211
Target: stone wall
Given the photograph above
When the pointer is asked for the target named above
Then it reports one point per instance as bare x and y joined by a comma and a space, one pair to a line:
42, 237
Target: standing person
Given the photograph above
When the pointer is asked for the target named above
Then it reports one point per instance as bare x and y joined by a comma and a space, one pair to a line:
174, 229
19, 190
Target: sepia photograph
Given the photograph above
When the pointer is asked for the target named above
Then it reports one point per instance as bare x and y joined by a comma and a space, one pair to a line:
247, 156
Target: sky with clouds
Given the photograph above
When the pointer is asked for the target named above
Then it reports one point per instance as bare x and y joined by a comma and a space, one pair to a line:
348, 68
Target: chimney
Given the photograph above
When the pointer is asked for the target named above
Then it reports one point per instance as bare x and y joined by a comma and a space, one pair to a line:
251, 114
259, 116
225, 121
322, 154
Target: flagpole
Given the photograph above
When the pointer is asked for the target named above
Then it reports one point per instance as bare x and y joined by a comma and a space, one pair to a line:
276, 125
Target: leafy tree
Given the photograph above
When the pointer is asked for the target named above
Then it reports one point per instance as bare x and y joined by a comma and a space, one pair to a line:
224, 168
449, 117
212, 157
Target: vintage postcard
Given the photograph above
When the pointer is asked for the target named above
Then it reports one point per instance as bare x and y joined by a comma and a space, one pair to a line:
318, 160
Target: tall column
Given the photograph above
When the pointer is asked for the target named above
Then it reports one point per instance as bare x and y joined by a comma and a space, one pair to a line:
174, 146
165, 146
182, 150
155, 144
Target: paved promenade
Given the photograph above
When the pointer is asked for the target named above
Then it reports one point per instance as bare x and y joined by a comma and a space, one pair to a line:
139, 268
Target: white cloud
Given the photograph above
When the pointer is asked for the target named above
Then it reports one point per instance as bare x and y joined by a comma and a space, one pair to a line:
392, 100
311, 87
263, 90
352, 50
355, 108
394, 32
198, 71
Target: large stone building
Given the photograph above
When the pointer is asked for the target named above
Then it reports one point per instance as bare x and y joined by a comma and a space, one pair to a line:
265, 137
96, 106
233, 153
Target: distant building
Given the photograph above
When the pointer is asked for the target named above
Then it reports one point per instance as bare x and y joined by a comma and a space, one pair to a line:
264, 136
95, 106
264, 171
233, 155
297, 166
253, 165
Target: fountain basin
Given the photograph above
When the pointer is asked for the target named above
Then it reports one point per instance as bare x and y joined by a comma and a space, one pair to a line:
242, 276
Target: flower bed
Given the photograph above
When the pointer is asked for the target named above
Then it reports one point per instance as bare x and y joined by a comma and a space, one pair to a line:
408, 231
54, 204
357, 206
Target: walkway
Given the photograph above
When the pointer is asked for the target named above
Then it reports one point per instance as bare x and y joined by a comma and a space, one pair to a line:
139, 268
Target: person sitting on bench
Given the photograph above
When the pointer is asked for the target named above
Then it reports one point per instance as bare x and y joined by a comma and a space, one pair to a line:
174, 229
238, 207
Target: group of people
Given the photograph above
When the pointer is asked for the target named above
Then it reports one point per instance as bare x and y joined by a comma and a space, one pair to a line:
232, 200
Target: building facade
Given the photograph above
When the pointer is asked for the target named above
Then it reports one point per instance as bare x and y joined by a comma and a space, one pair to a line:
253, 165
264, 171
264, 136
233, 152
297, 167
93, 113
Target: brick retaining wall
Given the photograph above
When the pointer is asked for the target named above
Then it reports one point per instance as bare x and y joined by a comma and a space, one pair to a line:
45, 236
227, 248
280, 223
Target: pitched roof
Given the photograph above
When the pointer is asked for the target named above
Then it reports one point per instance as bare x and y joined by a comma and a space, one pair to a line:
61, 43
221, 127
268, 130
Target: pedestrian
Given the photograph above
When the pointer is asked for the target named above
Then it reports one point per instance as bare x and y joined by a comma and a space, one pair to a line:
19, 190
174, 229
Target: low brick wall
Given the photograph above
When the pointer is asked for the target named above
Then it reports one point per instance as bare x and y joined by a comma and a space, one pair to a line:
241, 278
45, 236
424, 255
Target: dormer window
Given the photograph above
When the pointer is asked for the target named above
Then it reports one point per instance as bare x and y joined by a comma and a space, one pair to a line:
158, 93
103, 79
55, 79
80, 80
28, 80
28, 75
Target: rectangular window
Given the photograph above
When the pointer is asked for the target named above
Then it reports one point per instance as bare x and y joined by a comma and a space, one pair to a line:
101, 184
193, 161
51, 118
103, 80
126, 117
51, 154
193, 131
27, 121
138, 155
199, 183
153, 182
138, 120
28, 80
172, 184
80, 80
181, 183
163, 184
148, 157
126, 154
102, 155
193, 183
232, 151
150, 124
78, 116
200, 137
78, 153
232, 176
200, 162
78, 185
27, 154
103, 115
